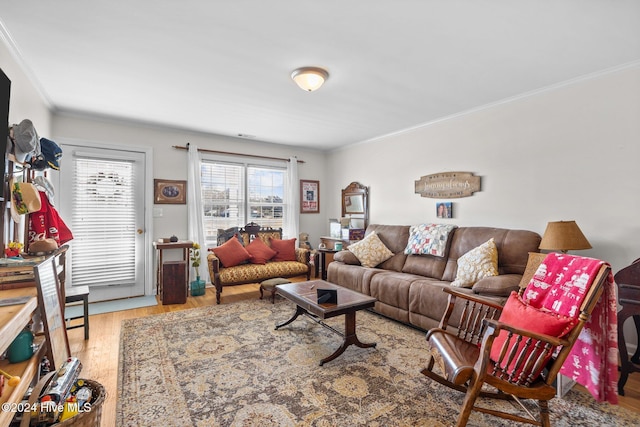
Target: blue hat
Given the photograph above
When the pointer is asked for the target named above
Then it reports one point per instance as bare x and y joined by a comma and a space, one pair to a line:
50, 154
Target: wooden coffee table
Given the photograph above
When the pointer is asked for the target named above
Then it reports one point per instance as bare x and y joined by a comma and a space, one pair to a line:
304, 295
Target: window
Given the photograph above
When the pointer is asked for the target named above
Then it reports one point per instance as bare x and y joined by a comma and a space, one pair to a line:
234, 194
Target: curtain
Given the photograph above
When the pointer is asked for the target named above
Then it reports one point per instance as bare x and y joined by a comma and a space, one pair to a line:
194, 211
291, 218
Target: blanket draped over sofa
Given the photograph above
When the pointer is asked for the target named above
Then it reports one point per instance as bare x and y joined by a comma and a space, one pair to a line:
409, 287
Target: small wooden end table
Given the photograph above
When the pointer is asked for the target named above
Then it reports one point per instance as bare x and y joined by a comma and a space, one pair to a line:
304, 295
628, 282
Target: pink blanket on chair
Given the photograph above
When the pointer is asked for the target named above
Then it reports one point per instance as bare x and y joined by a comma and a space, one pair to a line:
560, 286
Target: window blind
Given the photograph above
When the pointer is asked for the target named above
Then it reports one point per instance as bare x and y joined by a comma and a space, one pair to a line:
234, 194
103, 222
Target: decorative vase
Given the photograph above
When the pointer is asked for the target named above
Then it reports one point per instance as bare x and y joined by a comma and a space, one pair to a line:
197, 287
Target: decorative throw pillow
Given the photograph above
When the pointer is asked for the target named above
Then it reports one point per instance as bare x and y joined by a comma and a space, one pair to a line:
231, 253
370, 251
428, 239
260, 252
286, 249
476, 264
516, 313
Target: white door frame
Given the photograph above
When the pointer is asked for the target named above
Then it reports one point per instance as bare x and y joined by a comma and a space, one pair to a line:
149, 273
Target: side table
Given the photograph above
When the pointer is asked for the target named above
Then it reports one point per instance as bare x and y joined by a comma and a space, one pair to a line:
323, 260
183, 245
628, 282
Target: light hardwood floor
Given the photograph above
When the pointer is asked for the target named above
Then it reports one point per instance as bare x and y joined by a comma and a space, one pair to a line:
99, 354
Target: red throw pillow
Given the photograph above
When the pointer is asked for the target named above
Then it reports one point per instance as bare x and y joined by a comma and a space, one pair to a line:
518, 314
260, 252
231, 253
286, 249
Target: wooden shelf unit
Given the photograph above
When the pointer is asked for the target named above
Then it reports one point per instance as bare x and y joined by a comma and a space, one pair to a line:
13, 319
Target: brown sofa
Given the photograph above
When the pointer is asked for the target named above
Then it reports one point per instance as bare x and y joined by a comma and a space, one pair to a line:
254, 273
409, 287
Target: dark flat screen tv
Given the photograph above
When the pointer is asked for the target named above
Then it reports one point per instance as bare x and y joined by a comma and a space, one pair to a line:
5, 92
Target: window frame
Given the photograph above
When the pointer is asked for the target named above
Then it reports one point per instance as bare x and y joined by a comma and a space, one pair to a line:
245, 163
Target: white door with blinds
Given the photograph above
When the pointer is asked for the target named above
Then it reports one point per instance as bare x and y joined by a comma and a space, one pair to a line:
104, 204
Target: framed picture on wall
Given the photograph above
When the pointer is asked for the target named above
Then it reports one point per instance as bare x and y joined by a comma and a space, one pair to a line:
444, 210
169, 192
309, 196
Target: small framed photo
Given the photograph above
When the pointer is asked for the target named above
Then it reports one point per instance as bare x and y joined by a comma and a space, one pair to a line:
169, 192
309, 196
444, 210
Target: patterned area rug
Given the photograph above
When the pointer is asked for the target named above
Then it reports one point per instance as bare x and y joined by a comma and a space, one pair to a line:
225, 365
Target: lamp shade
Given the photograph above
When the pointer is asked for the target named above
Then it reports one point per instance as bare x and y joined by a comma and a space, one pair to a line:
309, 78
563, 236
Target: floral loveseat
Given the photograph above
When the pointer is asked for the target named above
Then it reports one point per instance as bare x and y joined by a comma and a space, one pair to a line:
254, 254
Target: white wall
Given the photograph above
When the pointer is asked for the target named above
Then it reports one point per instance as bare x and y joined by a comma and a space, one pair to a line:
27, 102
561, 154
171, 163
570, 153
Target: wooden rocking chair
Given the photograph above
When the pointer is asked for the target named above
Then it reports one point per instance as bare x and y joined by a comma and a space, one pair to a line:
523, 366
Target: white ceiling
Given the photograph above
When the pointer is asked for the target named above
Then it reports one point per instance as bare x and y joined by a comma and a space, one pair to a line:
223, 67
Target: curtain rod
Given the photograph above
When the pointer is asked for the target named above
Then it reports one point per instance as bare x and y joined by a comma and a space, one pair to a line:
204, 150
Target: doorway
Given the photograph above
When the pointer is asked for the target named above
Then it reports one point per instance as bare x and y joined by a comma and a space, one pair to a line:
104, 204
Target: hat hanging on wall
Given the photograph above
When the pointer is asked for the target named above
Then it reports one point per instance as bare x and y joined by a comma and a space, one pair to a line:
50, 154
24, 199
25, 141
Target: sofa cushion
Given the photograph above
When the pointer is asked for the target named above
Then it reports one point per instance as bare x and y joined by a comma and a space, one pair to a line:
231, 253
476, 264
516, 313
346, 257
425, 265
254, 273
260, 252
513, 248
428, 239
395, 238
286, 249
370, 251
500, 286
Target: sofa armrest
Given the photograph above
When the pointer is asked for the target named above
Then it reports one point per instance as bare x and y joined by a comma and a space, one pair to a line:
213, 264
303, 255
498, 286
346, 257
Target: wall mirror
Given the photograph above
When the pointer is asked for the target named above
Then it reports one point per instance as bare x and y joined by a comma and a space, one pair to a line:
355, 205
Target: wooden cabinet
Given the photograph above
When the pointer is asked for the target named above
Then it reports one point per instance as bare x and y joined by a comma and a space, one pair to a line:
173, 289
172, 277
13, 319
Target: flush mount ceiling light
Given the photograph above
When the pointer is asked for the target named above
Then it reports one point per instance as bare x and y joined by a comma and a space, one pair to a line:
309, 78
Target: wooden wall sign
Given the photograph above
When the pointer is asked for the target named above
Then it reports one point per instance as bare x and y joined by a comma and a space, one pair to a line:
448, 185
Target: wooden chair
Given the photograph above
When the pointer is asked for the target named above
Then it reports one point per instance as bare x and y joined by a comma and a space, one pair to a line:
465, 345
71, 297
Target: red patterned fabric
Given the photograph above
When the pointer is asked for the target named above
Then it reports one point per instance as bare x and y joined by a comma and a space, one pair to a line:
560, 285
46, 223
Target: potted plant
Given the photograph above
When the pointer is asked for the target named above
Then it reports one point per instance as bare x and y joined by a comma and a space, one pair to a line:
198, 285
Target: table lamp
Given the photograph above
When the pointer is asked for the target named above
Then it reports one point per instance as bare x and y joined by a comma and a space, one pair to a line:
563, 236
